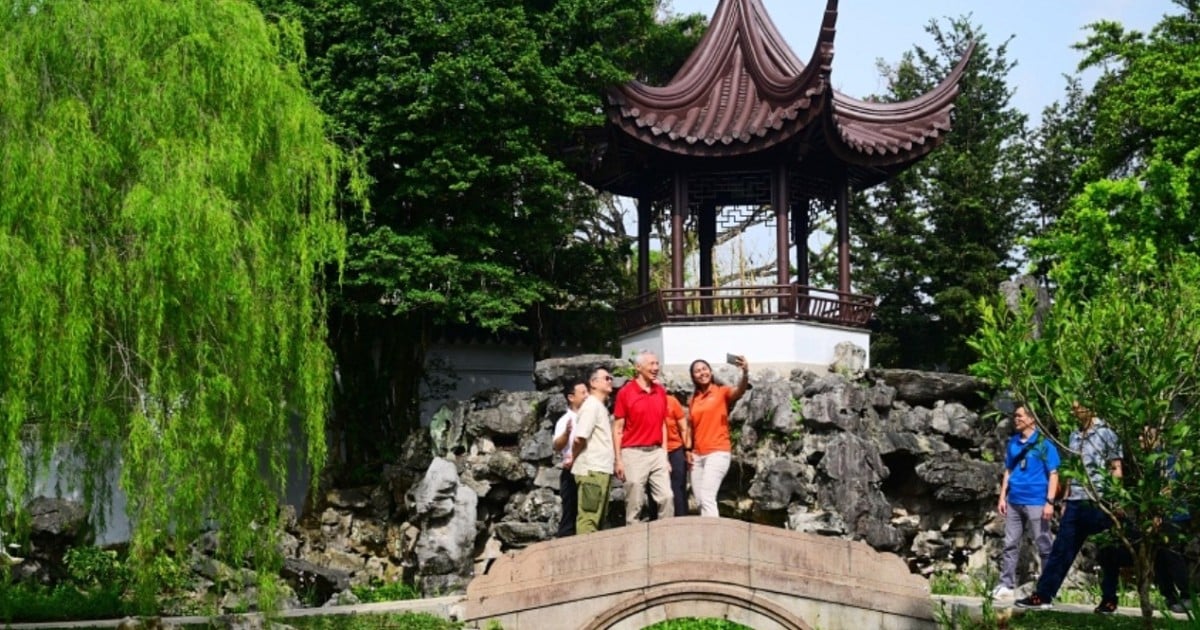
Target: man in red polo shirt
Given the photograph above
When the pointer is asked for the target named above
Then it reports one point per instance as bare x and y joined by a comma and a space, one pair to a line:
639, 436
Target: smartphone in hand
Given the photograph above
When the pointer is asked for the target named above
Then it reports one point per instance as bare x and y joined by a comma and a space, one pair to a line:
732, 359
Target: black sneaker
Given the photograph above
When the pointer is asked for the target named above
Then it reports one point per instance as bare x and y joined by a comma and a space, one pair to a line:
1106, 608
1033, 601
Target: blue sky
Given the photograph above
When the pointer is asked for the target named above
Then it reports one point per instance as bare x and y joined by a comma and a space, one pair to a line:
1043, 32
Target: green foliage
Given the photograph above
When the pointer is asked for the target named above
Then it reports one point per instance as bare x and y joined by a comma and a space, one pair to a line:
1131, 352
32, 603
93, 566
696, 623
167, 211
1124, 259
385, 592
935, 239
464, 112
1135, 203
101, 585
951, 583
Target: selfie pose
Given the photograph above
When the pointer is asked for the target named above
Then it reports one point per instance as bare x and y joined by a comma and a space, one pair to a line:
711, 447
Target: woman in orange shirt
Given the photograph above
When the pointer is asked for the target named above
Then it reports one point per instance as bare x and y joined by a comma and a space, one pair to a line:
712, 449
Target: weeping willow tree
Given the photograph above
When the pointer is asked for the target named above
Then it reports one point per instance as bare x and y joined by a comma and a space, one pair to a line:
167, 198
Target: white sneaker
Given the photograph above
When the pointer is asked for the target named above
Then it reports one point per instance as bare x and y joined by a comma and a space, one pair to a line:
1002, 592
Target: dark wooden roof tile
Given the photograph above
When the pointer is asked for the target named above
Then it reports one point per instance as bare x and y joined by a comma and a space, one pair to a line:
743, 90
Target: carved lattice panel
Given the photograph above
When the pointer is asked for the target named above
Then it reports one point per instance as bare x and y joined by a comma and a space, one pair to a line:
728, 189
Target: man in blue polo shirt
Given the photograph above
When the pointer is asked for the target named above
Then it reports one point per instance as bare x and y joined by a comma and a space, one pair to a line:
1026, 495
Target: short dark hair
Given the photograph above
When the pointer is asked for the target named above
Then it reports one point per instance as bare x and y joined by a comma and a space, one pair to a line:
569, 388
592, 375
1020, 404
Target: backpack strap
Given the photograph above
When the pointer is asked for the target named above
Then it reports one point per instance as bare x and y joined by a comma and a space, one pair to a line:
1025, 451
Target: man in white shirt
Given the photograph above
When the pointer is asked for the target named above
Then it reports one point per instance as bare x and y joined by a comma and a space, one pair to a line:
592, 448
564, 433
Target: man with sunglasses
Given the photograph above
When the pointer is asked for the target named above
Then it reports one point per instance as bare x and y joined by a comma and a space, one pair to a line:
592, 448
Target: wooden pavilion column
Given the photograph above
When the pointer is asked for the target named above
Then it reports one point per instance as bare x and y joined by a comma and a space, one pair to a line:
679, 207
643, 268
708, 238
843, 234
800, 229
780, 202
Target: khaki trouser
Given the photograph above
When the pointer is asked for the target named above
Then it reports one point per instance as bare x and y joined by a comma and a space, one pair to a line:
644, 467
593, 501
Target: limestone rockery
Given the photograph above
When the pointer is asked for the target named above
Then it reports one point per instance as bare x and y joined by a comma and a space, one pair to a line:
899, 459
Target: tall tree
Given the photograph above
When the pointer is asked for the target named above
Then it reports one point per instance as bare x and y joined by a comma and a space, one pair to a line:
464, 111
1121, 333
166, 210
1147, 130
942, 234
1058, 147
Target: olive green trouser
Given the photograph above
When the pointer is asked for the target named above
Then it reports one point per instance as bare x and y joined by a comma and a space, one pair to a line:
593, 501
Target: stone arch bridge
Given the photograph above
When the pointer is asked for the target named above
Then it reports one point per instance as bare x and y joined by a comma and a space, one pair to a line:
759, 576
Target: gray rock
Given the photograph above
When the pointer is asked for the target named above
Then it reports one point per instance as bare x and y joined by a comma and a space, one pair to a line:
444, 549
434, 496
889, 442
1016, 290
913, 419
821, 522
819, 384
881, 396
849, 360
849, 457
57, 518
518, 535
954, 419
507, 414
768, 406
841, 406
548, 477
915, 386
305, 577
779, 483
865, 510
368, 536
341, 559
540, 506
350, 498
505, 465
56, 525
956, 480
553, 374
539, 446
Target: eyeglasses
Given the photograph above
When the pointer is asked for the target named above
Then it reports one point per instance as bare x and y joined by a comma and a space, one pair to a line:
606, 377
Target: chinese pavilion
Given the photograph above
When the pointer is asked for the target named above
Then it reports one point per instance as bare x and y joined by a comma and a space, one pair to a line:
745, 123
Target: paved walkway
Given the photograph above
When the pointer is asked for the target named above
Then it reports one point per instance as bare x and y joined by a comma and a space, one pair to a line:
974, 606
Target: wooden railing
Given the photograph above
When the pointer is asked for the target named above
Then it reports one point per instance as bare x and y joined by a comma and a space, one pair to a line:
760, 302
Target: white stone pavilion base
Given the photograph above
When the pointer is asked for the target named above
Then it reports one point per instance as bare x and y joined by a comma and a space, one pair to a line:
778, 345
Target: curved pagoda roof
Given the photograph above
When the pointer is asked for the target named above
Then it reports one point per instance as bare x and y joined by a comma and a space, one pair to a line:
743, 90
